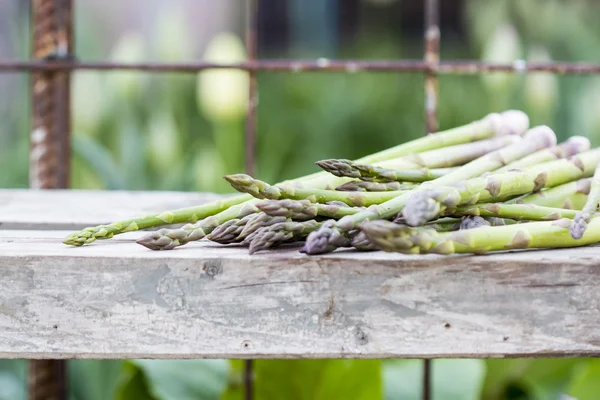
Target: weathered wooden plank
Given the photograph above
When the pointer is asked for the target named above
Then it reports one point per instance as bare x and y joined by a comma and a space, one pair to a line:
76, 209
115, 299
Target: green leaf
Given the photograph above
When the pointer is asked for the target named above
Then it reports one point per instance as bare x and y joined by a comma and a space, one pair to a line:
133, 384
318, 379
541, 379
586, 383
100, 161
11, 387
451, 379
92, 379
185, 379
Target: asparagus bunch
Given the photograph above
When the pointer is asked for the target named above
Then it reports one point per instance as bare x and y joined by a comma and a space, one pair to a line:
489, 185
510, 122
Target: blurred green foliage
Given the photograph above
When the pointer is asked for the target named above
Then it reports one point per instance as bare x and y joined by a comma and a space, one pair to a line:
183, 132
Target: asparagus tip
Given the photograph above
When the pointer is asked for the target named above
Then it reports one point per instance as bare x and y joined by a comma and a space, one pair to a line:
324, 240
163, 239
575, 145
420, 208
473, 222
578, 226
339, 167
543, 135
78, 239
245, 184
510, 122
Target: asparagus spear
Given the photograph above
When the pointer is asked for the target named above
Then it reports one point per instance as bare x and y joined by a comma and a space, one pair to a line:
282, 232
530, 212
579, 224
508, 122
574, 145
305, 209
435, 159
551, 234
331, 236
571, 195
350, 169
366, 186
262, 190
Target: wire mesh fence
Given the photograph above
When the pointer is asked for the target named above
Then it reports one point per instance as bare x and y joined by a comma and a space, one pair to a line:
53, 61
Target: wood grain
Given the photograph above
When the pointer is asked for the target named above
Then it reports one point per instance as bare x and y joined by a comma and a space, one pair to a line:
115, 299
77, 209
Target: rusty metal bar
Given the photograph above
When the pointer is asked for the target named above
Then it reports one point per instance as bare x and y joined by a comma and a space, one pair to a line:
49, 156
251, 49
47, 380
51, 21
250, 139
432, 59
464, 67
426, 395
248, 379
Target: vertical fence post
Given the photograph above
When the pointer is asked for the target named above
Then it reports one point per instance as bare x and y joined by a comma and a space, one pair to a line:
251, 49
250, 139
51, 21
432, 59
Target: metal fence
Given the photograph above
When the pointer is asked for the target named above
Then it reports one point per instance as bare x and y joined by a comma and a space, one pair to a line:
53, 60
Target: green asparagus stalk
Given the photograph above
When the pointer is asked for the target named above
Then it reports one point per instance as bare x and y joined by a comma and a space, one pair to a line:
262, 190
305, 209
508, 122
331, 236
361, 242
167, 239
350, 169
529, 212
571, 195
452, 156
283, 232
192, 214
551, 234
574, 145
579, 224
366, 186
438, 159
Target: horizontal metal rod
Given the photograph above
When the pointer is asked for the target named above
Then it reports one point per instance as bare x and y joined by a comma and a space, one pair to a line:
324, 65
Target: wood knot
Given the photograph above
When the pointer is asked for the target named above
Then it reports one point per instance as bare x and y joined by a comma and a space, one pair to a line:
213, 268
361, 336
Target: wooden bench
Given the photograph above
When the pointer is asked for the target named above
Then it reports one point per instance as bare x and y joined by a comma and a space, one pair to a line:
117, 300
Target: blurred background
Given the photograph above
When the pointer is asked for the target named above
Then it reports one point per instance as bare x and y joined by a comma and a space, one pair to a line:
135, 130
